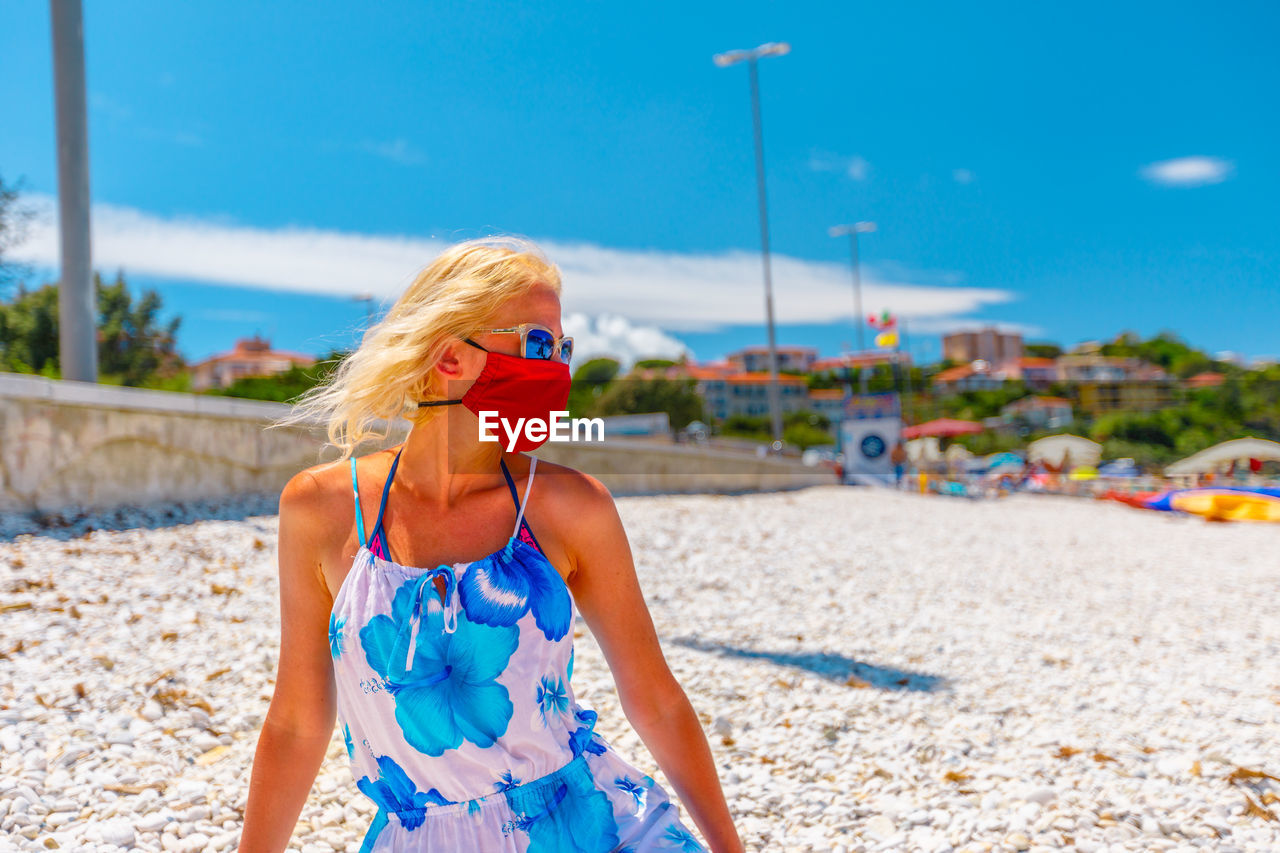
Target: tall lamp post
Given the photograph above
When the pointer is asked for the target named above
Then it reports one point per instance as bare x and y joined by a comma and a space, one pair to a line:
77, 296
853, 231
858, 320
751, 57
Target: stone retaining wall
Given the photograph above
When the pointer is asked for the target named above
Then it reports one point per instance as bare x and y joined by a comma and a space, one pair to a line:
80, 444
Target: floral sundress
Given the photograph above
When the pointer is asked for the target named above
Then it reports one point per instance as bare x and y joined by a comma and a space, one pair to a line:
458, 714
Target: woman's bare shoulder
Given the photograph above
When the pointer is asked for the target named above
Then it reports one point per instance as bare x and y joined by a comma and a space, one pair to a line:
313, 497
575, 491
577, 505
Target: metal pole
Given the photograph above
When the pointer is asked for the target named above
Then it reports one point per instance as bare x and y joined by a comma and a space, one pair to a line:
905, 345
775, 404
857, 289
77, 301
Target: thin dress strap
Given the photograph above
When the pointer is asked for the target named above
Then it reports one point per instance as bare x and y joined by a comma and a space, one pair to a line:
382, 508
533, 465
359, 518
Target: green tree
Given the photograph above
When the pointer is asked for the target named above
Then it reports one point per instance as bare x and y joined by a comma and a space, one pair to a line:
1042, 350
589, 382
802, 428
1166, 349
676, 397
976, 405
823, 379
805, 436
132, 348
131, 345
29, 331
14, 218
287, 385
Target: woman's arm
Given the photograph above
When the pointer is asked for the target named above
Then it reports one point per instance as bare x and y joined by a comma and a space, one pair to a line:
604, 584
299, 723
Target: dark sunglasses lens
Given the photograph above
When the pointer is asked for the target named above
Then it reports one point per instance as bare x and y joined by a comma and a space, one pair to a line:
566, 351
538, 344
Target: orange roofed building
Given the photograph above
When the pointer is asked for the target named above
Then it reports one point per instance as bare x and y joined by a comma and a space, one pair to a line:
727, 389
1205, 380
250, 357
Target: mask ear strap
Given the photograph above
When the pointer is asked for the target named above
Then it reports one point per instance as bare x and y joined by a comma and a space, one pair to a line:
459, 400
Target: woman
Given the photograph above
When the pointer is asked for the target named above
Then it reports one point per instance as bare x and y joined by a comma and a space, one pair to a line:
452, 683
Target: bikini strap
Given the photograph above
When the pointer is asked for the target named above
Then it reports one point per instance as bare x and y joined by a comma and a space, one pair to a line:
386, 489
533, 465
359, 518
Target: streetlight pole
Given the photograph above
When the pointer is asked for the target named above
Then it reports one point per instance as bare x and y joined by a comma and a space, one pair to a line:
858, 320
77, 297
853, 231
751, 57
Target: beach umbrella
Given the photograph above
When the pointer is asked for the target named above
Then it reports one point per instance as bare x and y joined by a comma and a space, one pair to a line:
1004, 460
1055, 448
1212, 458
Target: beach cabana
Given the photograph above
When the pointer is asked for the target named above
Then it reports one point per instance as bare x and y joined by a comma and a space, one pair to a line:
1054, 449
942, 428
1222, 455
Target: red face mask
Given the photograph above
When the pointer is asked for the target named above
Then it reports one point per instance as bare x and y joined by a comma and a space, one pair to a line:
519, 390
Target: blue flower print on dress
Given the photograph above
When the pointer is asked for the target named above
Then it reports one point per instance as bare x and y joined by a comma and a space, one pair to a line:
502, 587
506, 782
335, 634
552, 699
584, 739
569, 821
568, 676
394, 791
637, 790
449, 694
676, 838
346, 738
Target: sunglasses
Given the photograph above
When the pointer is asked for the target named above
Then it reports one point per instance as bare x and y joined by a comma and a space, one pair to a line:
539, 342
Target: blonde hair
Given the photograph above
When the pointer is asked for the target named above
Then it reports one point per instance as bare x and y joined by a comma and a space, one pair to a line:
387, 375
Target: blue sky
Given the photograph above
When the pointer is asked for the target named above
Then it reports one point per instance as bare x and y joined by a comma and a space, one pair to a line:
1073, 171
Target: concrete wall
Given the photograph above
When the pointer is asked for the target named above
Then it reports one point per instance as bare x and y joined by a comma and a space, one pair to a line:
80, 444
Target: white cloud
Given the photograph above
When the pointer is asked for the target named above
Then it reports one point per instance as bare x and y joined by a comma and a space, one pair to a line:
1188, 171
962, 176
855, 167
667, 290
614, 336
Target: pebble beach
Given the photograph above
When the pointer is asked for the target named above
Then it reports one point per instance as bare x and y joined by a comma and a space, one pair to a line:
876, 671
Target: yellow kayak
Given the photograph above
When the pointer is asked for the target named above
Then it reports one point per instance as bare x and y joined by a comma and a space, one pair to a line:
1228, 505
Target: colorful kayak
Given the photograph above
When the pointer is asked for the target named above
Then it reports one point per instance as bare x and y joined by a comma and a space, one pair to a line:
1221, 503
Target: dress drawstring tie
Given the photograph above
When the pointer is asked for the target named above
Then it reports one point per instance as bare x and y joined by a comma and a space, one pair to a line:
425, 585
